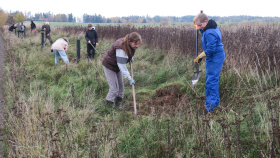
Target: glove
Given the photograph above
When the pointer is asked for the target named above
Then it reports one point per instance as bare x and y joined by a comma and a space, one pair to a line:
132, 60
131, 82
199, 57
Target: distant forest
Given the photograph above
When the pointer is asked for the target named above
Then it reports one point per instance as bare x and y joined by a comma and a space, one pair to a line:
138, 19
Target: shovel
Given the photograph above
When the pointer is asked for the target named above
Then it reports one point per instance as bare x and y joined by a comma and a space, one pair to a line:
196, 74
133, 92
93, 47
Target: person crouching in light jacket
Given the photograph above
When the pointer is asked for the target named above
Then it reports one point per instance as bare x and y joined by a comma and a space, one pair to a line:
59, 47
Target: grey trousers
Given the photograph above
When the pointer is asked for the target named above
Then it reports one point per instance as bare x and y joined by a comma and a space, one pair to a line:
115, 82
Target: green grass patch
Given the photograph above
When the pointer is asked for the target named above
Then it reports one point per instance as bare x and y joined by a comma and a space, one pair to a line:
58, 110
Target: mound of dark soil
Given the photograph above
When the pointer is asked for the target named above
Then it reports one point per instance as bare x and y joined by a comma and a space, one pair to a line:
167, 100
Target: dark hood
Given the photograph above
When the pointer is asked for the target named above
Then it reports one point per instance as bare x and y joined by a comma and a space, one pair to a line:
210, 25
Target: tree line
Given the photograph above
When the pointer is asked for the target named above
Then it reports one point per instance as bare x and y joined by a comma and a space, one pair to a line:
44, 16
98, 18
188, 18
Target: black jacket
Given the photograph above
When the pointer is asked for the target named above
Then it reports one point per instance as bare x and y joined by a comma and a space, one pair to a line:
48, 29
92, 36
33, 26
12, 28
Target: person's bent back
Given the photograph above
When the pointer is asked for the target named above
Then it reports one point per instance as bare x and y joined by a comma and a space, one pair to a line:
60, 47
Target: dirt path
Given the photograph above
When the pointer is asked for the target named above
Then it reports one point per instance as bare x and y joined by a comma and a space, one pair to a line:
2, 49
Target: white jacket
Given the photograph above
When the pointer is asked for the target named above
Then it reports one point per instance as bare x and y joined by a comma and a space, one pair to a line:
60, 44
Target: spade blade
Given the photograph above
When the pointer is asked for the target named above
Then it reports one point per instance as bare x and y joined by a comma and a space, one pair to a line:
195, 78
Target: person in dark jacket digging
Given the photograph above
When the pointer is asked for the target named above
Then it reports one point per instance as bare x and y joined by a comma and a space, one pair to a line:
215, 56
114, 63
46, 27
92, 41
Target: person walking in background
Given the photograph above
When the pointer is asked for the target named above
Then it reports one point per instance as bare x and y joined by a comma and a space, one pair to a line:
46, 27
114, 63
215, 56
11, 29
18, 29
21, 29
59, 47
33, 26
92, 41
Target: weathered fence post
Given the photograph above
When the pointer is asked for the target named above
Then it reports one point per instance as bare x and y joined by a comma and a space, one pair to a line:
42, 41
78, 51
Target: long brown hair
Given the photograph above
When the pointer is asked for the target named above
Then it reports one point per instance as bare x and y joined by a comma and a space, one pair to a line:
132, 37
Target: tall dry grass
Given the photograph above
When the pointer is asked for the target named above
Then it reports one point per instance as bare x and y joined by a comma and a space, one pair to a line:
245, 44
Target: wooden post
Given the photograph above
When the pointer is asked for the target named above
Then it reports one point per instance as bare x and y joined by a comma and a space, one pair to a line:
78, 51
42, 40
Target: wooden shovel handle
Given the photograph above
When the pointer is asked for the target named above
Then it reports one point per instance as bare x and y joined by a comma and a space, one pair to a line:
133, 91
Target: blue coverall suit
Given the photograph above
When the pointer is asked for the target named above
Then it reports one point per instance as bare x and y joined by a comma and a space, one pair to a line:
213, 47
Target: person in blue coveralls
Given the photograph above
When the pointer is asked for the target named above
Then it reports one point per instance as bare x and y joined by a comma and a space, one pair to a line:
215, 56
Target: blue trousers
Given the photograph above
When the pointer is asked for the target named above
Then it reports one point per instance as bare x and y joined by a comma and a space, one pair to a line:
61, 53
22, 32
213, 68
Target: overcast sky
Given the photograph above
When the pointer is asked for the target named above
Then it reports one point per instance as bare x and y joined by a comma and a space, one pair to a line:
111, 8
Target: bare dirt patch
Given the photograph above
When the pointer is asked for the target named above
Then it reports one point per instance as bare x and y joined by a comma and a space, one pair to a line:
167, 100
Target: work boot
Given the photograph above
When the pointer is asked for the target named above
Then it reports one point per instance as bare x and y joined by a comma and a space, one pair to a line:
118, 101
109, 104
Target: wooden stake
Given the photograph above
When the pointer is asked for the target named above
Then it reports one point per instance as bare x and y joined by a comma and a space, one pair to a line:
133, 92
